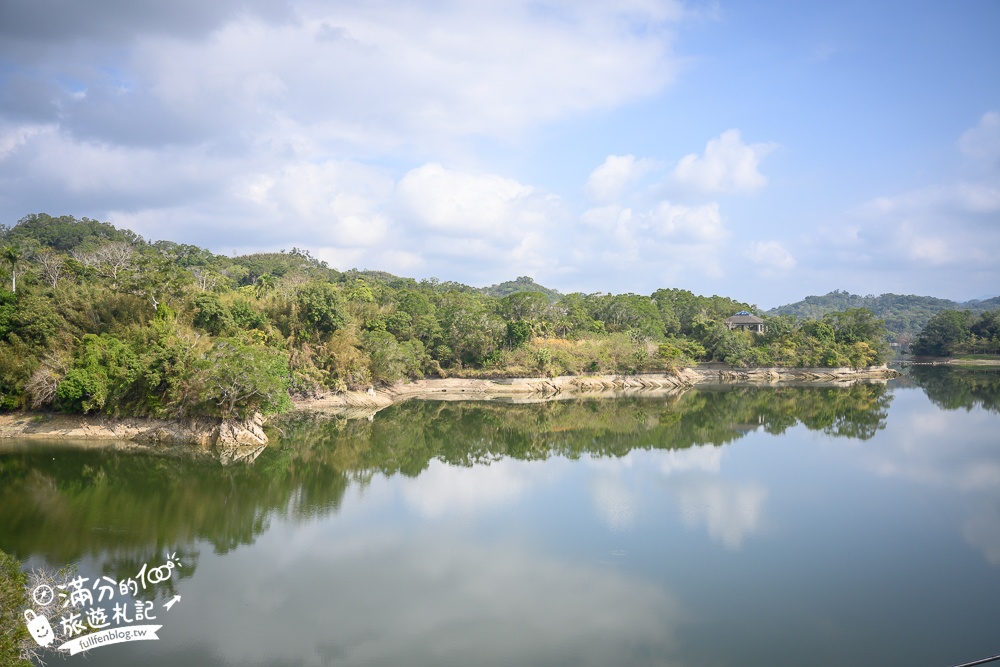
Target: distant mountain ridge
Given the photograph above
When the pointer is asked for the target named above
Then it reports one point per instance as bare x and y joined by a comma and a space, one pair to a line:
904, 314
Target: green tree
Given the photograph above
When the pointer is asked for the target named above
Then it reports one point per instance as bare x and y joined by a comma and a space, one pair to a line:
235, 380
856, 325
518, 333
470, 329
211, 315
943, 334
527, 306
322, 306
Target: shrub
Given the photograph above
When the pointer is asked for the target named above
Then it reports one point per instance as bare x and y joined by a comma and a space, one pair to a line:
100, 377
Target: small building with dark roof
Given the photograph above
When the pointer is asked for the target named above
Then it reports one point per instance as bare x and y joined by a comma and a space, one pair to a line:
746, 321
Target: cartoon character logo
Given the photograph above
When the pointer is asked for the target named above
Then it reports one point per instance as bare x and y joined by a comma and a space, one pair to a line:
39, 628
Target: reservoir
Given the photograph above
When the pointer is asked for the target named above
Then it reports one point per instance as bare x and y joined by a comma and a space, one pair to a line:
720, 526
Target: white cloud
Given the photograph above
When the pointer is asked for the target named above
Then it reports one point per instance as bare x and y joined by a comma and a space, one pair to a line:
728, 166
930, 250
373, 75
338, 202
695, 224
483, 225
615, 175
911, 450
982, 531
771, 255
13, 137
730, 512
247, 128
940, 228
958, 198
665, 241
462, 204
983, 141
607, 218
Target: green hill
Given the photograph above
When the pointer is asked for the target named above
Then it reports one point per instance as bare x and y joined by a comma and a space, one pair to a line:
522, 284
904, 314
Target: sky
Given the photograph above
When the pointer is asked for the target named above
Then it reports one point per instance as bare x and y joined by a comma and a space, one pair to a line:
759, 150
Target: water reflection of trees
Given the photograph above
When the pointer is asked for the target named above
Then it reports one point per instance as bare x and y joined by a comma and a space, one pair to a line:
405, 438
954, 387
127, 508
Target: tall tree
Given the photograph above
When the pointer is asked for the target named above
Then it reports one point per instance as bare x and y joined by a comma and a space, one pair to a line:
13, 257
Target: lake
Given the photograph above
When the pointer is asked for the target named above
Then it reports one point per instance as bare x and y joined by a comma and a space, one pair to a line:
743, 526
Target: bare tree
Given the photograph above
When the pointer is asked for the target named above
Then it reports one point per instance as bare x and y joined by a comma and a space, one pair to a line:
205, 278
109, 260
42, 385
51, 264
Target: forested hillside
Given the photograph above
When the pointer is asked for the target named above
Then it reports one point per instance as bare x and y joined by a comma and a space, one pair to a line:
904, 315
98, 319
959, 332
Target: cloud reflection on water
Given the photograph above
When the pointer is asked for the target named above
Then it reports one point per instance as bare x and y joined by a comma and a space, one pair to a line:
949, 449
414, 600
730, 511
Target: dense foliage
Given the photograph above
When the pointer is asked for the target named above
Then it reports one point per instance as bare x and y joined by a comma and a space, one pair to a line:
13, 601
97, 319
904, 315
954, 332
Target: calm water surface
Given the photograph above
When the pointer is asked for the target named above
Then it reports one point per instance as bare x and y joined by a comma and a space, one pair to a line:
726, 526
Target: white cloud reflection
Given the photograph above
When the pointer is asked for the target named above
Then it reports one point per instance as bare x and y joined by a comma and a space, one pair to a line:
730, 511
444, 490
412, 600
954, 450
614, 502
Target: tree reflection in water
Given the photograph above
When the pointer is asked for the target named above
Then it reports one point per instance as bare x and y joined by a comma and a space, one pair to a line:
63, 503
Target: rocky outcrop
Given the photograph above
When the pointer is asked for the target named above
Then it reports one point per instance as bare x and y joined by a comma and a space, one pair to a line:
228, 440
240, 440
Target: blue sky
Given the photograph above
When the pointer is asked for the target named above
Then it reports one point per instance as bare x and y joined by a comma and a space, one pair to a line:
764, 151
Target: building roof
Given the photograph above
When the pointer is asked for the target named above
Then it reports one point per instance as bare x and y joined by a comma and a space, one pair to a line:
743, 317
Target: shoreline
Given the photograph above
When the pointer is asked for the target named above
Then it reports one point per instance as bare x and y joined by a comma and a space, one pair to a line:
581, 386
951, 361
231, 441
